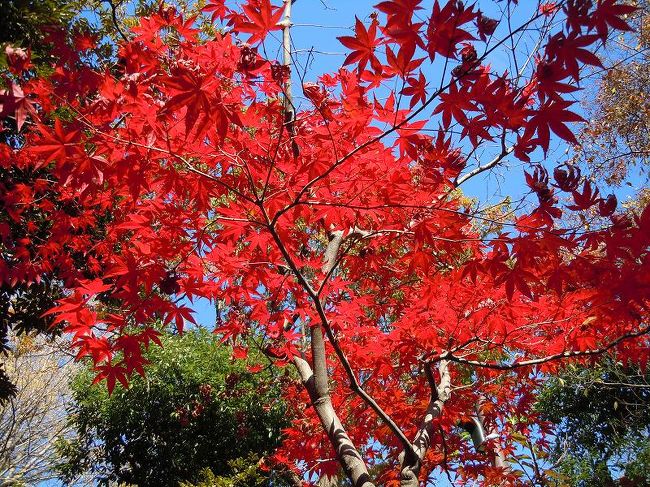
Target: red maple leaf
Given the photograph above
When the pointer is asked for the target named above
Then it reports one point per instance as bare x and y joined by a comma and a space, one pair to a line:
552, 116
363, 45
399, 8
454, 104
444, 32
179, 315
85, 41
609, 13
194, 92
112, 374
218, 9
571, 49
399, 25
403, 63
585, 200
260, 18
14, 102
417, 90
62, 144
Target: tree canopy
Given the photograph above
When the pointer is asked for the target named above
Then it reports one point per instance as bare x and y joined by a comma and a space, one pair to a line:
604, 423
615, 141
325, 219
194, 410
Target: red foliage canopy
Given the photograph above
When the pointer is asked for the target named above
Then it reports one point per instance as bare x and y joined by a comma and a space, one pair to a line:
332, 234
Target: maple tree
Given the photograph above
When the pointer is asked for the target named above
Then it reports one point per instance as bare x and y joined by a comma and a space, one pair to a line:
26, 34
332, 232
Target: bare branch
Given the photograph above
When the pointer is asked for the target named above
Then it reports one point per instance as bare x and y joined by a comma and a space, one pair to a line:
474, 172
549, 358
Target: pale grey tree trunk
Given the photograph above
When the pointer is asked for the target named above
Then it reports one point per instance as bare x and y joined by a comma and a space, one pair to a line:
440, 392
346, 453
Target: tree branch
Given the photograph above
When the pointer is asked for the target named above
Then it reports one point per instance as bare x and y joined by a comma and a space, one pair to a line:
558, 356
440, 394
116, 23
320, 367
289, 109
476, 171
497, 455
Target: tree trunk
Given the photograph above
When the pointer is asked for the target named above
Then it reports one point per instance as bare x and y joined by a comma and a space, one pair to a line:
346, 453
440, 393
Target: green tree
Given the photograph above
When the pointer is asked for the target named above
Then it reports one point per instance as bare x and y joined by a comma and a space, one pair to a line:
603, 418
194, 410
24, 22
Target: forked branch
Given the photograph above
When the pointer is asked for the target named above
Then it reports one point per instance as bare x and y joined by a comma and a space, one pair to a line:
440, 394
